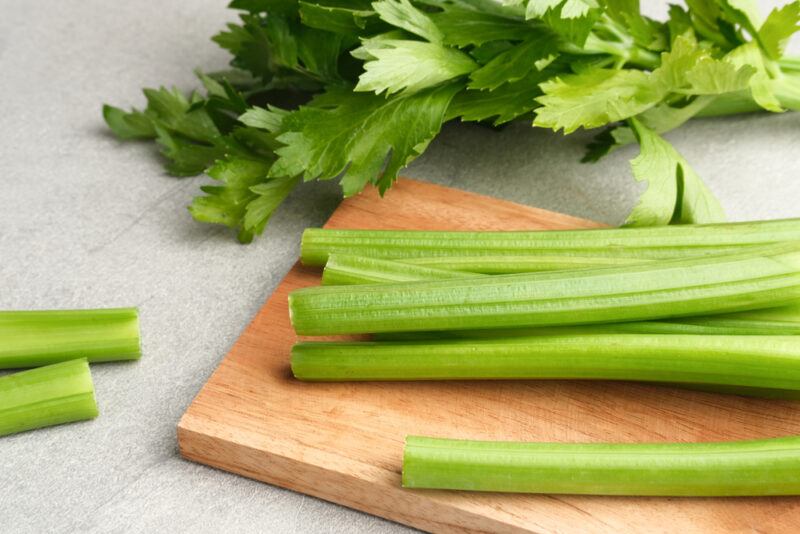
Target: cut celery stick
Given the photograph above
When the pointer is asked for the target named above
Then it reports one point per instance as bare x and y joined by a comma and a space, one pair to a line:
33, 338
734, 468
50, 395
783, 321
762, 277
343, 269
652, 242
749, 361
511, 264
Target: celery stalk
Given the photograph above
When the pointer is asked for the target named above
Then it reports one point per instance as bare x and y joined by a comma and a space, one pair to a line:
771, 362
658, 242
343, 269
32, 338
511, 264
49, 395
734, 468
763, 277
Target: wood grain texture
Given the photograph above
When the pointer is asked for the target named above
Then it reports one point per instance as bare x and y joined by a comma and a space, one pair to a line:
343, 442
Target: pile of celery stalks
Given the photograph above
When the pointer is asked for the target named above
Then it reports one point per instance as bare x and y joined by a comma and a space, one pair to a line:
713, 307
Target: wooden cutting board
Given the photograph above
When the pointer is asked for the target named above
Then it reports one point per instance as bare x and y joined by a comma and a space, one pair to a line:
343, 442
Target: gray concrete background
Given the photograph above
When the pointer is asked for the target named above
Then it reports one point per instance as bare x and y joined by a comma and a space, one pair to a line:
89, 222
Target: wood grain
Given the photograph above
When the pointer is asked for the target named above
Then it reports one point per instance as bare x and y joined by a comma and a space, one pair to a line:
343, 442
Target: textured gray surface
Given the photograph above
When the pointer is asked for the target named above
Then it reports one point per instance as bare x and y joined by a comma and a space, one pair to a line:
88, 222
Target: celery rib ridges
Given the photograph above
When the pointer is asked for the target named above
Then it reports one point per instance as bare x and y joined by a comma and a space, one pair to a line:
511, 264
762, 277
770, 362
45, 396
642, 243
344, 269
33, 338
725, 469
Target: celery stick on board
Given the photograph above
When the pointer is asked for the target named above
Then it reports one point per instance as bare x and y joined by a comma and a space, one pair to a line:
735, 468
762, 277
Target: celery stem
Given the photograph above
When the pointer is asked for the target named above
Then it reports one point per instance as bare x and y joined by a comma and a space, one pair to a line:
735, 468
45, 396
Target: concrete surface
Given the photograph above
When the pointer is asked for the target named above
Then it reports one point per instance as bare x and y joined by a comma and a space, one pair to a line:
89, 222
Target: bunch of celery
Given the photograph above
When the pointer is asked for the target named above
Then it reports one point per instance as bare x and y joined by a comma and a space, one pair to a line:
62, 342
711, 307
354, 91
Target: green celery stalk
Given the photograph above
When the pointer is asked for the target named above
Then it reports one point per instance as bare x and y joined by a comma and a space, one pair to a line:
749, 361
33, 338
714, 325
659, 242
783, 321
763, 277
49, 395
519, 264
724, 469
343, 269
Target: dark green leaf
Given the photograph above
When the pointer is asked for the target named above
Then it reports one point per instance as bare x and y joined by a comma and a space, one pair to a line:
361, 136
516, 62
128, 125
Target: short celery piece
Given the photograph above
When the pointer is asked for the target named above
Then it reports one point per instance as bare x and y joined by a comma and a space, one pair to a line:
344, 269
658, 242
722, 469
46, 396
771, 362
33, 338
762, 277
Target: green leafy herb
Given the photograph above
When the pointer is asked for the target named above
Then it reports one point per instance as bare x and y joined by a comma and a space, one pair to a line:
356, 90
675, 194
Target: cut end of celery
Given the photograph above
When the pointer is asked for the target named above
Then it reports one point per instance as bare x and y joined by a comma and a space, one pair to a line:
47, 396
35, 338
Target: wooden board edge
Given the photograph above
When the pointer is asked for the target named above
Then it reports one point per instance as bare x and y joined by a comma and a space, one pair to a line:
399, 504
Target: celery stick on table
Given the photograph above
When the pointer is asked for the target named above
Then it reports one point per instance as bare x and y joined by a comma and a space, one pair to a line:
32, 338
45, 396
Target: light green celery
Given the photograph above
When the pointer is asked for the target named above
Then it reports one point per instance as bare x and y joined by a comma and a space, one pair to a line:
763, 277
343, 269
751, 361
782, 321
786, 89
49, 395
32, 338
659, 242
790, 64
734, 468
519, 264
